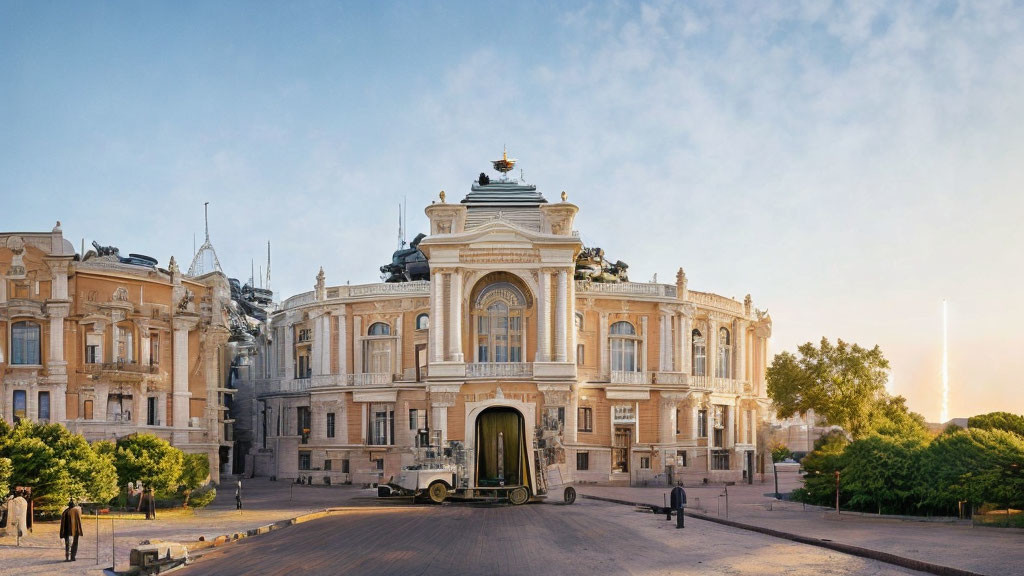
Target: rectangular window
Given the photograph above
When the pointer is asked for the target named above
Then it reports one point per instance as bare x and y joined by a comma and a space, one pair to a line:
93, 344
579, 354
151, 411
25, 343
414, 422
679, 414
719, 459
382, 425
125, 345
344, 466
702, 423
681, 458
154, 348
750, 427
20, 405
330, 425
44, 406
380, 463
645, 462
303, 460
327, 464
623, 413
302, 422
583, 460
585, 420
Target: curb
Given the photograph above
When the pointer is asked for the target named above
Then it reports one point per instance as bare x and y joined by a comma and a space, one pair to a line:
886, 557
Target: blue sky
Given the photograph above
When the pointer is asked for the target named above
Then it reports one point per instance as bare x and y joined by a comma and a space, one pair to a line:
848, 164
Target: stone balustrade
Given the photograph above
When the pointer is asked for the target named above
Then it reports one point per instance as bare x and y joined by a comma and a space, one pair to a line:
630, 288
709, 300
499, 370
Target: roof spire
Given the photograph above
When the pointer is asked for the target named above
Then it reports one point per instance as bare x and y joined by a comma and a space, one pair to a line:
206, 220
205, 259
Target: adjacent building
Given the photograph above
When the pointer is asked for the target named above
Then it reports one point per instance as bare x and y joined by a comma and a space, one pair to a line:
110, 345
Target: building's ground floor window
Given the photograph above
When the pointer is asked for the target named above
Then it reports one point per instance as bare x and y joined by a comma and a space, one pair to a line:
344, 466
151, 411
702, 423
583, 460
645, 462
330, 424
303, 460
719, 459
20, 405
44, 406
381, 425
327, 464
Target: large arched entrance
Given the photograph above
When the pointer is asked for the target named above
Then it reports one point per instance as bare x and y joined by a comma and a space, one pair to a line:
502, 449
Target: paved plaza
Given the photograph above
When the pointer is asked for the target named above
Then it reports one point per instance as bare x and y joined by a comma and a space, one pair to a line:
363, 535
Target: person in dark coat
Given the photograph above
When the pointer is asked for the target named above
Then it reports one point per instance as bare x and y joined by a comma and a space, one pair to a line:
150, 504
71, 529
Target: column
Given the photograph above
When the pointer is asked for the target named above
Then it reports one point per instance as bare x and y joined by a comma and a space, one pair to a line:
180, 393
357, 345
436, 340
317, 352
289, 352
455, 317
663, 330
739, 351
544, 317
342, 342
572, 321
325, 348
686, 345
602, 345
643, 344
560, 329
711, 349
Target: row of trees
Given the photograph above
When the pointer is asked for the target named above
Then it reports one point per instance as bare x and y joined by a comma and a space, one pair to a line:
59, 465
887, 459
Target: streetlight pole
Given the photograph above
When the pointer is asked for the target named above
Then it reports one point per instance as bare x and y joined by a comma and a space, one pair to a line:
776, 471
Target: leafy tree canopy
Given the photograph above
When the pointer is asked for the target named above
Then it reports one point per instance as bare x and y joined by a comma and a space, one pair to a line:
844, 384
57, 465
149, 459
998, 421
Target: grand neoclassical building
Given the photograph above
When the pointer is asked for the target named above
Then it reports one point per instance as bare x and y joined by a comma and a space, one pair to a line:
501, 307
110, 346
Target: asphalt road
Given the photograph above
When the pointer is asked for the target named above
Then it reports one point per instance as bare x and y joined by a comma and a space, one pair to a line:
588, 538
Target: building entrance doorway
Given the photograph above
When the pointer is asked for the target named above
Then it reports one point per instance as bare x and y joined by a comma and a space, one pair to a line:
620, 448
502, 458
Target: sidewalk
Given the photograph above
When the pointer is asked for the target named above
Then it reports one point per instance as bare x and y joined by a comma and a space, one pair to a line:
264, 502
994, 551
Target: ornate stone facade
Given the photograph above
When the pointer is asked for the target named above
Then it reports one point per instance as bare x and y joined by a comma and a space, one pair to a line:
109, 348
638, 382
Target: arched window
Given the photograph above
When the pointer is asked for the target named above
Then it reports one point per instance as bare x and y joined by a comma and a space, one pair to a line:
499, 314
25, 344
699, 354
623, 341
377, 349
579, 321
422, 322
724, 354
379, 329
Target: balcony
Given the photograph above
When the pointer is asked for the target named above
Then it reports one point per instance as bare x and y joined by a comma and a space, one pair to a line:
274, 386
721, 385
122, 366
499, 370
629, 288
630, 377
369, 379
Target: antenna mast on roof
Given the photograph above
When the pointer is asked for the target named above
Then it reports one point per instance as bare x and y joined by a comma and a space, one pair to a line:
268, 264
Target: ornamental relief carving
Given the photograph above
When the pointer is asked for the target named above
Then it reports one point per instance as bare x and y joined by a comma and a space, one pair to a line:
499, 255
442, 399
556, 398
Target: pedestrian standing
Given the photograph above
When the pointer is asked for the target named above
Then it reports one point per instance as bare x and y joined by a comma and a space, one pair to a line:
71, 529
150, 504
19, 513
238, 496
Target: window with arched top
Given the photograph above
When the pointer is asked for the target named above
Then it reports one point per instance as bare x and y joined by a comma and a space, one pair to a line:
699, 351
623, 342
378, 349
499, 312
724, 354
379, 329
25, 343
423, 322
579, 321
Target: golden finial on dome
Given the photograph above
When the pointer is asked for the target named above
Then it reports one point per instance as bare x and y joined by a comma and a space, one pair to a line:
506, 164
565, 196
442, 196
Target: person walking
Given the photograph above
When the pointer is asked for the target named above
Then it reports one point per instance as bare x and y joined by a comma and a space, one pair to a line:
18, 513
150, 504
238, 496
71, 529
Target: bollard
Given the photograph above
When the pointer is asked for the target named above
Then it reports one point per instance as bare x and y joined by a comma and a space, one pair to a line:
679, 518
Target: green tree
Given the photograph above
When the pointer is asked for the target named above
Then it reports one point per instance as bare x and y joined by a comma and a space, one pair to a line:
880, 473
5, 476
998, 421
195, 472
780, 452
976, 465
819, 467
57, 465
149, 459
